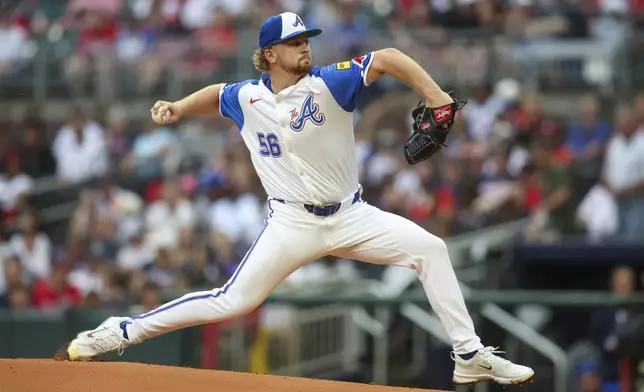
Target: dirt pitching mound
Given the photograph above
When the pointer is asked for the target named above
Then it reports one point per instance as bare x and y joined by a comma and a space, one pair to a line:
42, 375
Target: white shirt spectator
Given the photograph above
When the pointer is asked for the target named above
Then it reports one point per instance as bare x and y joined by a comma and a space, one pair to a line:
12, 188
124, 206
87, 280
163, 223
12, 43
598, 210
141, 8
133, 257
6, 251
482, 116
76, 161
240, 219
381, 165
198, 13
37, 260
624, 161
408, 181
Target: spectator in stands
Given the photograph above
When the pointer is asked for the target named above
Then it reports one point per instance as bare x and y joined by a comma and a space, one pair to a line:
190, 255
239, 216
13, 39
79, 149
32, 247
587, 136
481, 113
151, 149
36, 158
89, 276
199, 13
92, 301
165, 218
350, 31
586, 140
115, 291
11, 274
214, 44
15, 185
556, 212
590, 379
18, 297
165, 274
623, 174
496, 187
149, 300
54, 292
94, 53
529, 192
135, 255
604, 322
135, 48
598, 213
118, 137
6, 252
103, 238
117, 204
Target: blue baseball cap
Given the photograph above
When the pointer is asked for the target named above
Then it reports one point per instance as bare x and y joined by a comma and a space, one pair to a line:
281, 27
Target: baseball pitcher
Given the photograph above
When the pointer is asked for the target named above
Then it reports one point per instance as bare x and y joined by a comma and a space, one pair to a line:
296, 121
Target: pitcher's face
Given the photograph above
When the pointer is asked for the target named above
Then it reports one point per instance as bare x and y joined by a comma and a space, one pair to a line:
292, 55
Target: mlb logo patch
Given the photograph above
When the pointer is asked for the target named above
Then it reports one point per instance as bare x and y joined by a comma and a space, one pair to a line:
344, 65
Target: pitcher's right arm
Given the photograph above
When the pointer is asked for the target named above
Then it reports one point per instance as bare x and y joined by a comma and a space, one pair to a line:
204, 102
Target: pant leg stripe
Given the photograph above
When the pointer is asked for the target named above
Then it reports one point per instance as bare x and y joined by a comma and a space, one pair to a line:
210, 295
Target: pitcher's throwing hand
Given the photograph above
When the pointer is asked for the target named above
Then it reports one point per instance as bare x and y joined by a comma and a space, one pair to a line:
164, 112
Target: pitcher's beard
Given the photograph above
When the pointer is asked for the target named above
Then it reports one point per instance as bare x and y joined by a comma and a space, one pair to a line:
302, 68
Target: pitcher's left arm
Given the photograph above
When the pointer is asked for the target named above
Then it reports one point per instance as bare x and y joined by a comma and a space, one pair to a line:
398, 65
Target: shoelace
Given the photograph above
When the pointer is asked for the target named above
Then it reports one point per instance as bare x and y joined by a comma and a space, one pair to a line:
106, 344
488, 352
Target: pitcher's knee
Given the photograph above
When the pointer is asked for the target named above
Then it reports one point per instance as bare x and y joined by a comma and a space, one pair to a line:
433, 245
238, 303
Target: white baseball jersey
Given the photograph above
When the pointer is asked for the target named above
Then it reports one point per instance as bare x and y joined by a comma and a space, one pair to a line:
301, 139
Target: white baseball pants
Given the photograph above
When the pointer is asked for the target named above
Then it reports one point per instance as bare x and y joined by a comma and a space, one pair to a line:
294, 237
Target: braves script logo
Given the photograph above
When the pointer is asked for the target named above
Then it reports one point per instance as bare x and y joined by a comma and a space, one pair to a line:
298, 22
309, 111
443, 114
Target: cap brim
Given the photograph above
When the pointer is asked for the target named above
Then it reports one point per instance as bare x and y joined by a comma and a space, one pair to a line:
308, 32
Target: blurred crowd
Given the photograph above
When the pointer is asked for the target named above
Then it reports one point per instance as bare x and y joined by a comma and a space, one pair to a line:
198, 203
146, 39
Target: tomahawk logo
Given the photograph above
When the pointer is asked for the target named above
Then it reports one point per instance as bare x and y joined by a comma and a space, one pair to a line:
360, 60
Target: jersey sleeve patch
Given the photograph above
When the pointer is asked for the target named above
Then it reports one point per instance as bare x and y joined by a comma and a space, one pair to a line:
346, 80
343, 65
229, 105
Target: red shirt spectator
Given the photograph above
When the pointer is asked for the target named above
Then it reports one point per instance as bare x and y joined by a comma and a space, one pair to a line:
637, 6
55, 292
97, 28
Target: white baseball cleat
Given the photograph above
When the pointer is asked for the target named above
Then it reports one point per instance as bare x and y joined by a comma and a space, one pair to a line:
108, 337
485, 366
